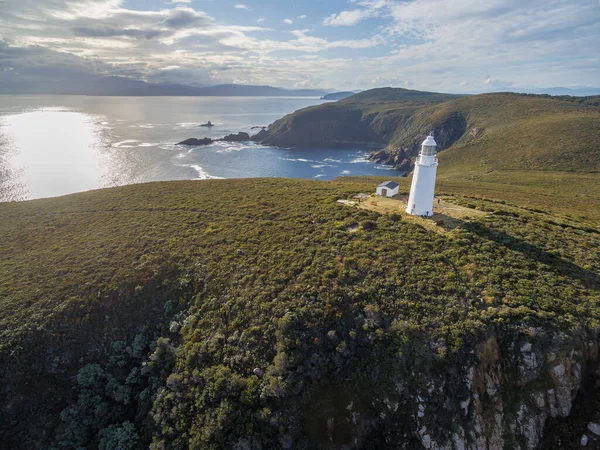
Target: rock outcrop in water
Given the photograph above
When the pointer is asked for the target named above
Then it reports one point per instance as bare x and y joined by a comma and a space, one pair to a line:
196, 142
239, 137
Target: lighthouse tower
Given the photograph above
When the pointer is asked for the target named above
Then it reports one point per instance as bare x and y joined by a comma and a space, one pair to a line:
420, 202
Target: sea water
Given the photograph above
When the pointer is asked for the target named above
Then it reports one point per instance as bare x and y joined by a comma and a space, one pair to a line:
56, 145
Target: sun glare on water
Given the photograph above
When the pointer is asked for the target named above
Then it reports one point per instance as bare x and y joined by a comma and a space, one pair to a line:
52, 151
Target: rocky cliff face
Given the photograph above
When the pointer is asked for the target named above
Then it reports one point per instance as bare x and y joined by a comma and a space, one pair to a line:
341, 125
506, 398
398, 158
402, 153
333, 126
503, 399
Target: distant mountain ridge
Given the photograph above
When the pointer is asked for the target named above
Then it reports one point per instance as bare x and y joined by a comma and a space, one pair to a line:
120, 86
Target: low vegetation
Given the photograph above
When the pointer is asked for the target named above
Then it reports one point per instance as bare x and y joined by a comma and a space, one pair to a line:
186, 315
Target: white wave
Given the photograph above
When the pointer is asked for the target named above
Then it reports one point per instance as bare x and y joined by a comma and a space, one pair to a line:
380, 167
188, 124
360, 159
299, 160
332, 160
228, 147
122, 144
148, 125
147, 144
202, 174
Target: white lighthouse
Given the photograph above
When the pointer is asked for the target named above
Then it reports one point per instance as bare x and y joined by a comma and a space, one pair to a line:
420, 202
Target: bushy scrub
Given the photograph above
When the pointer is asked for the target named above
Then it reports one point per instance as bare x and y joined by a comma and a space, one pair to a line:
171, 315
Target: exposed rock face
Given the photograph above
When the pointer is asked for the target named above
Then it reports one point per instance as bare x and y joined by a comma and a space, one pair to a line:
499, 395
398, 159
239, 137
260, 136
196, 142
446, 133
503, 401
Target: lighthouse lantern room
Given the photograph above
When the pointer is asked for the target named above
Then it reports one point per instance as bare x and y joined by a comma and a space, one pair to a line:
420, 201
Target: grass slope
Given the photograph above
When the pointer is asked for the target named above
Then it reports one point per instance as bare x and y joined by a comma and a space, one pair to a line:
523, 132
243, 312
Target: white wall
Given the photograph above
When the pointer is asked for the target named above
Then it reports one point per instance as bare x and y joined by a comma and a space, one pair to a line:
390, 192
420, 202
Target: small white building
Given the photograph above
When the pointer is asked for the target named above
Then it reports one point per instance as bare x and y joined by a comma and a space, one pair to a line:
388, 189
420, 202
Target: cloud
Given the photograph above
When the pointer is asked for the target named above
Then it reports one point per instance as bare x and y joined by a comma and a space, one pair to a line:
104, 31
309, 82
303, 16
369, 8
424, 42
347, 18
242, 6
260, 20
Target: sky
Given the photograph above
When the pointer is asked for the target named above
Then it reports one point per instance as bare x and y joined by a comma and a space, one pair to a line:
440, 45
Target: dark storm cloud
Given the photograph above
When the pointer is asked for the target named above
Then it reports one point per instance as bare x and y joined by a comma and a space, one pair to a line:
140, 25
185, 18
39, 64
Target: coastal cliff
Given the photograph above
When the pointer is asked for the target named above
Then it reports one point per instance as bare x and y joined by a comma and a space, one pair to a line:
486, 131
507, 396
367, 119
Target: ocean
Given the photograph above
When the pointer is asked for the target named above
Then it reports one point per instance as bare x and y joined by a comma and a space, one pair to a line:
56, 145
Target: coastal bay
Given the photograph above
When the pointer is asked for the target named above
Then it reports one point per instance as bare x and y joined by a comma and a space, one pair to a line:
127, 140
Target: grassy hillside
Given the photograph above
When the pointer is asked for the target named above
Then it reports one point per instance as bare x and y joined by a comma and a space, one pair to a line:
368, 118
398, 95
511, 131
478, 133
184, 314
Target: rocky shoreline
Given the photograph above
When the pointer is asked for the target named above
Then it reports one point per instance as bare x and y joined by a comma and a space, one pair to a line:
194, 142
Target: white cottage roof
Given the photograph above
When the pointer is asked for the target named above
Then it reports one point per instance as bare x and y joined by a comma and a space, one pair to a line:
389, 184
